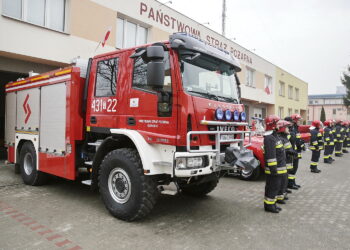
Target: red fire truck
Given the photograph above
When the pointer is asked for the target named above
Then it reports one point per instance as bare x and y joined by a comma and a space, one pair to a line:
131, 122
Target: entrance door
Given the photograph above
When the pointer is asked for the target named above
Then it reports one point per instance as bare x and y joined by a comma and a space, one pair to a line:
258, 112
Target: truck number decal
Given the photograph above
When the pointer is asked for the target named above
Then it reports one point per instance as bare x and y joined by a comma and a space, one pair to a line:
99, 105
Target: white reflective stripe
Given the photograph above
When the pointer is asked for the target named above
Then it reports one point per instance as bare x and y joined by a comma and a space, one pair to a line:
54, 79
272, 160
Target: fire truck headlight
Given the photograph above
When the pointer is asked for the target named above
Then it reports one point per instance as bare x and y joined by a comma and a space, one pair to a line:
219, 114
243, 116
228, 115
190, 162
236, 115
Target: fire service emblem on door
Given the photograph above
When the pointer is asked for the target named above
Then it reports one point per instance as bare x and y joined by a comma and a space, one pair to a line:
26, 108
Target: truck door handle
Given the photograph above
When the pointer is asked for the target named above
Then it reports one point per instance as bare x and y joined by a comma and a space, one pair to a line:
93, 120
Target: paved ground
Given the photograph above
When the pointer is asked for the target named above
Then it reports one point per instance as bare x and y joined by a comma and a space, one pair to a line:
66, 215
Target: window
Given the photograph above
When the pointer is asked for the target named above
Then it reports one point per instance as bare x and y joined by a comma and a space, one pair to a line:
268, 84
140, 74
290, 92
106, 79
250, 77
296, 111
281, 88
334, 111
310, 102
316, 102
46, 13
296, 94
130, 34
281, 112
290, 111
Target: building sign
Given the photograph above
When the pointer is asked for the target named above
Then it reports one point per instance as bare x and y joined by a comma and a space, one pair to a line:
169, 21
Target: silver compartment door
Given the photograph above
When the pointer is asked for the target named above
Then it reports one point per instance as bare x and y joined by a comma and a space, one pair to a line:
10, 118
28, 109
53, 118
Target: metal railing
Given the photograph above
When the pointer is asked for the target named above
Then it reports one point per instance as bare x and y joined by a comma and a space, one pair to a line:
218, 138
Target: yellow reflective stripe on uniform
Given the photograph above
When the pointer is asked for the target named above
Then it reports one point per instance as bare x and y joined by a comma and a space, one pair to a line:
274, 163
269, 202
331, 143
319, 134
315, 143
314, 164
327, 138
335, 140
288, 137
326, 156
312, 148
287, 145
338, 135
282, 171
279, 146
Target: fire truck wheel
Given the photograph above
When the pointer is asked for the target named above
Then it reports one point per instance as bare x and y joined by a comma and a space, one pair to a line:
250, 175
30, 175
126, 192
199, 190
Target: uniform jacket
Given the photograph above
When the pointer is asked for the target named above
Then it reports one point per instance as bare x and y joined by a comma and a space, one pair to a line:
275, 156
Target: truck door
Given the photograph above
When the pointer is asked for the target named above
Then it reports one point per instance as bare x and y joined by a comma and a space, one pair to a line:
104, 95
152, 111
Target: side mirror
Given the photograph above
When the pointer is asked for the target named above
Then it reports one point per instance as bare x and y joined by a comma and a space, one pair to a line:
155, 66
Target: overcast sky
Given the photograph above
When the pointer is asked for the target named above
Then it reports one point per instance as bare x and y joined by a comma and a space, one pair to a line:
308, 38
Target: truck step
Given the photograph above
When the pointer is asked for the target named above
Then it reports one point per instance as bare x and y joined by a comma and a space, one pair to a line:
86, 182
88, 163
97, 143
170, 189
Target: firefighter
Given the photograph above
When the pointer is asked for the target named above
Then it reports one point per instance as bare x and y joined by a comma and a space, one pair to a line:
299, 146
328, 141
275, 159
291, 173
316, 145
283, 133
334, 139
348, 134
338, 138
345, 135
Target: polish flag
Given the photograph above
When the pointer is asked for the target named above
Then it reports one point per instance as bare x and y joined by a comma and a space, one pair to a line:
106, 36
267, 90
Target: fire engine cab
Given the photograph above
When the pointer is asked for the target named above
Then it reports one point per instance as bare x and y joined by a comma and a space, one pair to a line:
130, 122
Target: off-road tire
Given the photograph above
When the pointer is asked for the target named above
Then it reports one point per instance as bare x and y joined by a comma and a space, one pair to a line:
254, 175
199, 190
143, 189
27, 161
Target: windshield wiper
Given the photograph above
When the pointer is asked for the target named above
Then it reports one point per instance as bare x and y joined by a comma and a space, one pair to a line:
207, 94
230, 99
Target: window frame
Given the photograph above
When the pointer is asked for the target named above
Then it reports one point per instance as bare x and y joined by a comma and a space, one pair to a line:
116, 77
24, 15
290, 92
248, 69
149, 90
282, 86
138, 26
297, 93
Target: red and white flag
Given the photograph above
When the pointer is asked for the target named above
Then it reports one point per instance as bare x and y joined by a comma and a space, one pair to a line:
106, 36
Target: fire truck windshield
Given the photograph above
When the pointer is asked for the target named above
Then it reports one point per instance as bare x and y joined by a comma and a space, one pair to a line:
208, 77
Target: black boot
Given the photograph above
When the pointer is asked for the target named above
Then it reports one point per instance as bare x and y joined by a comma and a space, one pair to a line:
271, 208
315, 170
345, 151
297, 185
289, 191
331, 159
328, 161
281, 202
278, 208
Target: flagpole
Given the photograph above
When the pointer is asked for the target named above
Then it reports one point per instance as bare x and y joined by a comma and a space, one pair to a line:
98, 45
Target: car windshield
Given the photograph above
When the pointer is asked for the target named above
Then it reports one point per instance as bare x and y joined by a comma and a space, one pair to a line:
208, 77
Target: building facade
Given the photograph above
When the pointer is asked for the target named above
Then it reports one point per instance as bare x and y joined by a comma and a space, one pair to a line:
333, 105
291, 95
42, 35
